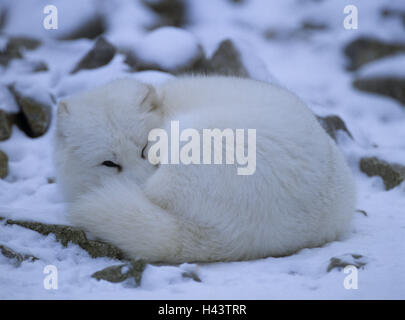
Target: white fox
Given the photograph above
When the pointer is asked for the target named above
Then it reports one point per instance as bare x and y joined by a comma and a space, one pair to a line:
301, 195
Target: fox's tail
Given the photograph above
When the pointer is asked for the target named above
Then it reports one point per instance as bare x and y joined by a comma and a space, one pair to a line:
120, 213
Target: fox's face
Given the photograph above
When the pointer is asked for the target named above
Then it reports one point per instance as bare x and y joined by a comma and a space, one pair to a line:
104, 133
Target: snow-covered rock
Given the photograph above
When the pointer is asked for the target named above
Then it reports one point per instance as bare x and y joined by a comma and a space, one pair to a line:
169, 49
364, 50
393, 87
391, 66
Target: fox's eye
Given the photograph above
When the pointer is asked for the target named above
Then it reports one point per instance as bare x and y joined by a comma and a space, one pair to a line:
143, 151
111, 164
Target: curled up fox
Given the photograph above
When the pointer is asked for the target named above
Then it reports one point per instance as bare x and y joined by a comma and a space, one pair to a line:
301, 194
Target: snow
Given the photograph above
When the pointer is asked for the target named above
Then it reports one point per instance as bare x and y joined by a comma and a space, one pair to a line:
390, 67
29, 89
7, 101
179, 46
311, 64
127, 21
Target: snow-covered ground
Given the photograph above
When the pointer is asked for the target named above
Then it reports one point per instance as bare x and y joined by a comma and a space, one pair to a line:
311, 63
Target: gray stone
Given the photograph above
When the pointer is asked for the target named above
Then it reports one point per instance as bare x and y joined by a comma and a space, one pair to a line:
364, 50
67, 234
14, 48
132, 270
101, 54
332, 124
16, 257
392, 174
3, 16
3, 165
191, 275
23, 43
226, 60
35, 114
171, 12
39, 66
51, 180
344, 260
308, 25
5, 125
130, 59
393, 13
92, 28
388, 86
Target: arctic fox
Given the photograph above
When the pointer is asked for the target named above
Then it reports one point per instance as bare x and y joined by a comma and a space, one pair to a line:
301, 195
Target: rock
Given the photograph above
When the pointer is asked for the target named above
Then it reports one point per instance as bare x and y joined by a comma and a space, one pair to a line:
39, 66
393, 13
16, 257
3, 165
51, 180
17, 43
181, 52
332, 124
15, 47
101, 54
119, 273
65, 234
5, 125
90, 29
302, 32
344, 260
309, 25
171, 12
35, 109
191, 275
226, 60
3, 16
130, 59
392, 174
364, 50
389, 86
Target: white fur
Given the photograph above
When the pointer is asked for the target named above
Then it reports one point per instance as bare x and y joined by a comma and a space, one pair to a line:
301, 195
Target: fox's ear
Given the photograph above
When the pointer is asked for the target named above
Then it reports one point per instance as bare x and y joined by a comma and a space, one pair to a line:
150, 100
